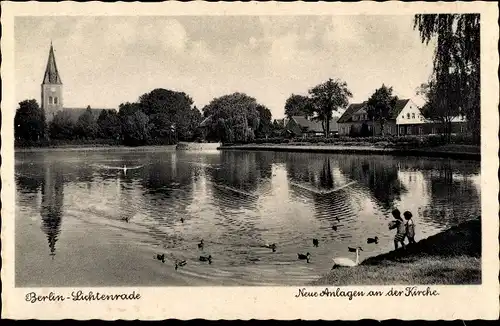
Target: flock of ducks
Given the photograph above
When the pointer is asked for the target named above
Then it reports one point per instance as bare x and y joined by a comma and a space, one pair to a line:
337, 262
182, 263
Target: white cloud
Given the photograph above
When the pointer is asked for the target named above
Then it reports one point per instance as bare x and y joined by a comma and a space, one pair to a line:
173, 35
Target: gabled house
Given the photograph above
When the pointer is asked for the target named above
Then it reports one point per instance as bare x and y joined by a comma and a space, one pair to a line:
299, 126
404, 119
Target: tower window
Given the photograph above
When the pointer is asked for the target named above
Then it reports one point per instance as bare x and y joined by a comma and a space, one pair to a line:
55, 100
50, 99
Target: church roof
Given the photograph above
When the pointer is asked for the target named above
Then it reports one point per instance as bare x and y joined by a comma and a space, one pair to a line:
51, 74
75, 113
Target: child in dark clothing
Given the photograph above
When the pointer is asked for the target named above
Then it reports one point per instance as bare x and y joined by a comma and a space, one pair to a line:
410, 227
398, 224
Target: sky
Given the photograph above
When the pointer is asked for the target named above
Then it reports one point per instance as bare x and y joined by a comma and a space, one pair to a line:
105, 61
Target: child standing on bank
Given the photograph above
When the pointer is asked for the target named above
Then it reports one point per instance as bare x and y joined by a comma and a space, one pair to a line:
400, 227
410, 227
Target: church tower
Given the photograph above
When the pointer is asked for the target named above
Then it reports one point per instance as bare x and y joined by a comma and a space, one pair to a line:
52, 99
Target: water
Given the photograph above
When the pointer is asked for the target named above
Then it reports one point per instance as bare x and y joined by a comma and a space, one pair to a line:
81, 223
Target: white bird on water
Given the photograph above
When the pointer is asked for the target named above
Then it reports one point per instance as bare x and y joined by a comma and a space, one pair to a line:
124, 168
347, 262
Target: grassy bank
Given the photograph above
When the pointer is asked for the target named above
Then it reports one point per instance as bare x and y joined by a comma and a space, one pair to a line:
450, 257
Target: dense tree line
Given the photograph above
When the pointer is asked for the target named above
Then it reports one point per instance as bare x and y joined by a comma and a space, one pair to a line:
159, 117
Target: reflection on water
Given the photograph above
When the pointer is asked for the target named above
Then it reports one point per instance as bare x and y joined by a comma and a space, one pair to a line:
101, 226
52, 204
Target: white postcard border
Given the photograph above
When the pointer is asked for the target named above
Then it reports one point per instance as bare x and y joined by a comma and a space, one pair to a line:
454, 302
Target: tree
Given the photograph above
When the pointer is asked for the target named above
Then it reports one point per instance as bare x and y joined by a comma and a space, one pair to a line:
380, 105
298, 105
455, 82
86, 125
162, 100
234, 117
327, 97
109, 124
171, 114
278, 129
162, 127
62, 126
265, 125
29, 121
364, 132
188, 124
126, 109
136, 129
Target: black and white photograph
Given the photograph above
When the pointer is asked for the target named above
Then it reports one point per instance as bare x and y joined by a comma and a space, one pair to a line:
248, 150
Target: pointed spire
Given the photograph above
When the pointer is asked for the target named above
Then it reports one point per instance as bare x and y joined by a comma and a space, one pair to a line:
51, 74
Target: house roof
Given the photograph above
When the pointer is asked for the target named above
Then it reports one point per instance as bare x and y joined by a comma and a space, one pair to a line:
355, 107
51, 75
351, 109
314, 126
400, 104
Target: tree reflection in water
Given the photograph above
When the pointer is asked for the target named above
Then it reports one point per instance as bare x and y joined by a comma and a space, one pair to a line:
312, 171
315, 175
237, 186
453, 196
378, 173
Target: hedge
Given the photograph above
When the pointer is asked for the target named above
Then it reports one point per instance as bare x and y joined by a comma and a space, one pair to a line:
385, 141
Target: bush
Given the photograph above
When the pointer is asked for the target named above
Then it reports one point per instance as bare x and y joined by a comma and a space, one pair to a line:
403, 142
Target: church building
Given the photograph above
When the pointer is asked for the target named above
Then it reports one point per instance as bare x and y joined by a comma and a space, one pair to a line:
52, 93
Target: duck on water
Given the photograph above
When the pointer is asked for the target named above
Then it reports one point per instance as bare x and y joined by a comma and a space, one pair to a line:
206, 258
306, 257
271, 246
180, 263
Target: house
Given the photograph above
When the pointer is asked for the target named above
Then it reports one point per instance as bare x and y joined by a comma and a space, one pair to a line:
299, 126
458, 126
353, 119
404, 119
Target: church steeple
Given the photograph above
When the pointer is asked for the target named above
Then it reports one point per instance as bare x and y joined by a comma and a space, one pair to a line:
51, 74
51, 87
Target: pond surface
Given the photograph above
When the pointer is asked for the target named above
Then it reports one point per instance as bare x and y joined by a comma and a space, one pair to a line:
80, 221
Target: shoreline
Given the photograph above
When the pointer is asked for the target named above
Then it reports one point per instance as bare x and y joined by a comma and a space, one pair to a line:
344, 149
91, 148
83, 147
446, 151
450, 257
